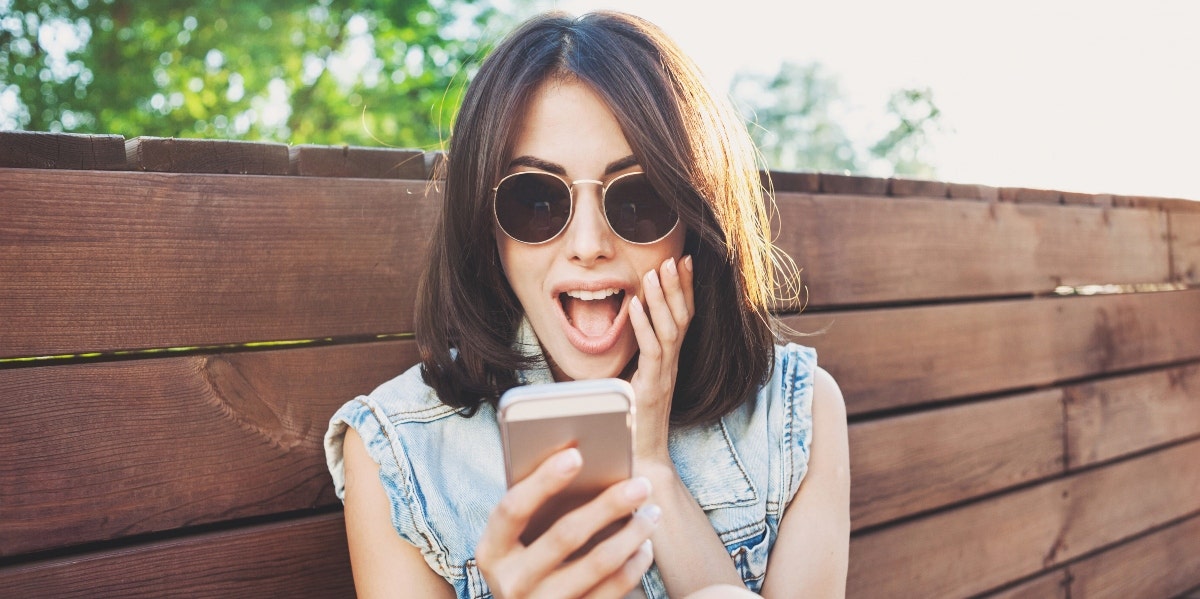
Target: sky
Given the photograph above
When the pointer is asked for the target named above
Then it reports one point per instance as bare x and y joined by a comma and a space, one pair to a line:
1089, 96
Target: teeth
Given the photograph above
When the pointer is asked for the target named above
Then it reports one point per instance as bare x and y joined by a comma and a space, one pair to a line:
586, 295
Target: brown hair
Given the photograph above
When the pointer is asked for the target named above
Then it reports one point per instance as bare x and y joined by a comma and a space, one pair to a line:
697, 154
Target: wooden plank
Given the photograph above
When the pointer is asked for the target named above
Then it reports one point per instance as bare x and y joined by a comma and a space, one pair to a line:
175, 155
1024, 195
1185, 246
1113, 417
35, 149
916, 187
916, 462
853, 184
859, 250
299, 558
1052, 585
905, 356
967, 191
985, 545
93, 452
101, 261
794, 181
347, 161
1165, 563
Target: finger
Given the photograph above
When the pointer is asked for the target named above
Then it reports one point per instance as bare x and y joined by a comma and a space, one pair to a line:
660, 313
649, 349
673, 291
686, 278
574, 529
628, 577
606, 563
512, 514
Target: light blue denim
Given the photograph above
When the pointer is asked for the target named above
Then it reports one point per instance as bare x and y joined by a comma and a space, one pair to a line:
444, 473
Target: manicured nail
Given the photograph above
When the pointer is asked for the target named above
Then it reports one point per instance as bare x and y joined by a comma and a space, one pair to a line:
568, 461
652, 278
646, 547
651, 512
687, 263
637, 489
669, 266
635, 303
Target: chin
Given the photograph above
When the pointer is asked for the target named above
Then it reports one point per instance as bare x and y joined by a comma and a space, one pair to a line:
581, 367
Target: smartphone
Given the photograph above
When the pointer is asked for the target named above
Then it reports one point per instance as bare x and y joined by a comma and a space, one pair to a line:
595, 416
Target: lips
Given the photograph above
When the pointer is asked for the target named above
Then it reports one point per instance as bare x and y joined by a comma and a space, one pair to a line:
592, 314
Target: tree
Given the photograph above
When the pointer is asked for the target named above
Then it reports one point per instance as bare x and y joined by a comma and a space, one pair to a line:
298, 71
795, 117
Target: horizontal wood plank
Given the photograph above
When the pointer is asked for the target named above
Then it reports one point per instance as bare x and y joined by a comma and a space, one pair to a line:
1185, 246
93, 452
176, 155
1165, 563
859, 250
99, 261
300, 558
889, 358
348, 161
985, 545
1113, 417
1052, 585
907, 464
36, 149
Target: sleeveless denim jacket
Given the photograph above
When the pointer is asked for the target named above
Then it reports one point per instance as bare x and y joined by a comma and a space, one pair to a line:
444, 473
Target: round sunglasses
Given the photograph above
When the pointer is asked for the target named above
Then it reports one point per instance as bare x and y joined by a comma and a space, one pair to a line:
535, 207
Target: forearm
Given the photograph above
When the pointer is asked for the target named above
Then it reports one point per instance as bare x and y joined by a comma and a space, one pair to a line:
687, 550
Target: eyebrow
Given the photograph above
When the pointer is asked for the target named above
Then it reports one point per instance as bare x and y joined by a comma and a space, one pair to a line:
551, 167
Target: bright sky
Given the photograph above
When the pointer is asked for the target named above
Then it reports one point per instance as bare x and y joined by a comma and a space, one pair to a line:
1092, 96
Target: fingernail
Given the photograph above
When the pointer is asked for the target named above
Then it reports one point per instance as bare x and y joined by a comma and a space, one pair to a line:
652, 278
651, 512
687, 263
647, 547
669, 265
568, 461
635, 303
637, 489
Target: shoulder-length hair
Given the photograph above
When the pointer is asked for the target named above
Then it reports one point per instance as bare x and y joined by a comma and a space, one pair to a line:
696, 152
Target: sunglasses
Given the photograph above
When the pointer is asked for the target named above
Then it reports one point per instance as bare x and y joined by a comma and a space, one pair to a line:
534, 207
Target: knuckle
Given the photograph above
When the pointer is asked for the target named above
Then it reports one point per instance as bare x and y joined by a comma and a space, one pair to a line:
510, 508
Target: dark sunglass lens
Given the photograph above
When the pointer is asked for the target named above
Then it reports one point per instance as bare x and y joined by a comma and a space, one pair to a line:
533, 207
636, 212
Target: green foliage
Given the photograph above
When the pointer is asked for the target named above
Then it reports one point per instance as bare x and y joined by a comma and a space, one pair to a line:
361, 72
796, 118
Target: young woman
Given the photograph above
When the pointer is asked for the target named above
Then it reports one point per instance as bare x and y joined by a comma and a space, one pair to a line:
603, 217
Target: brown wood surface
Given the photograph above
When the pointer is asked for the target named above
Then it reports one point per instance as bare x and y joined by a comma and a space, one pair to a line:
175, 155
100, 451
306, 557
1165, 563
348, 161
1025, 195
968, 191
984, 545
1052, 585
853, 184
888, 358
1113, 417
101, 261
858, 250
916, 187
30, 149
907, 464
1185, 246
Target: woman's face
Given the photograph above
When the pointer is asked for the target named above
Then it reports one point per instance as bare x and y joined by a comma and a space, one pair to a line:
568, 131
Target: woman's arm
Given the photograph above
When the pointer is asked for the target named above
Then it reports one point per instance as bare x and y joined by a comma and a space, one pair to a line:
810, 556
384, 564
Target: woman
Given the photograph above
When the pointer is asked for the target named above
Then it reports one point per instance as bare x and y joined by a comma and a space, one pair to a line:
645, 256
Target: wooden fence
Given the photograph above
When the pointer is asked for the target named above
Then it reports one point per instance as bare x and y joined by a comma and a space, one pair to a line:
179, 319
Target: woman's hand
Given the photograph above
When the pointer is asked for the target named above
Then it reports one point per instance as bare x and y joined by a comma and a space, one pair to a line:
659, 328
610, 569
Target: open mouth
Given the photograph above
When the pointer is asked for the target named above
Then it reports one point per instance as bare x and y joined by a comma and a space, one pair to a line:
592, 312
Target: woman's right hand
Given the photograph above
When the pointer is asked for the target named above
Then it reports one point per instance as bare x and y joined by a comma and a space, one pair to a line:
610, 569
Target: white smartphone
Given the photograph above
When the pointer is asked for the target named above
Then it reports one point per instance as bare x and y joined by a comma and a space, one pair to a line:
596, 416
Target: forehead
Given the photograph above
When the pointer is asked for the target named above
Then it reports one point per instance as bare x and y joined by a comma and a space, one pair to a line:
569, 124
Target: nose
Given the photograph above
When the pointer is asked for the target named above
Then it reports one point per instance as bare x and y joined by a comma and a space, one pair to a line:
589, 238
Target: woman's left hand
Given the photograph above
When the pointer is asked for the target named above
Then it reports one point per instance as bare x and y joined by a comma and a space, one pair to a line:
659, 327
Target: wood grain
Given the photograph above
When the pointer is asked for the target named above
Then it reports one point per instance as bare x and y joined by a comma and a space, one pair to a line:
1185, 246
35, 149
1052, 585
176, 155
348, 161
300, 558
94, 452
96, 261
1165, 563
889, 358
982, 546
907, 464
860, 250
1113, 417
916, 187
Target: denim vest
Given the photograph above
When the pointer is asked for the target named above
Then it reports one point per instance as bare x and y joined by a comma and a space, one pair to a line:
444, 473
